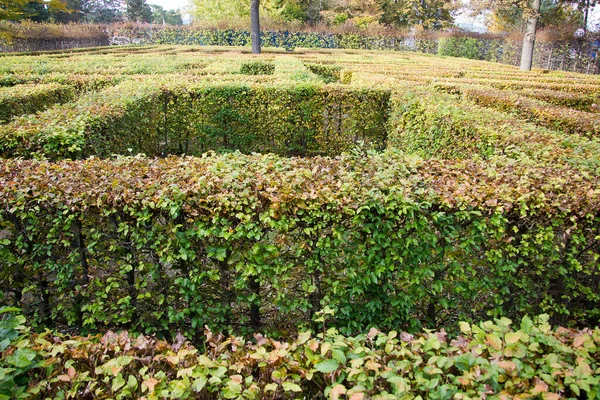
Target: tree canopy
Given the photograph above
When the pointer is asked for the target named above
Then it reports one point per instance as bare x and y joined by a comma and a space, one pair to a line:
512, 15
91, 11
430, 14
16, 10
138, 11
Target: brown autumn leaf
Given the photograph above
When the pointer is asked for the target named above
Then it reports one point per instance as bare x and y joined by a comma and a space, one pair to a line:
508, 366
151, 383
357, 396
540, 387
337, 391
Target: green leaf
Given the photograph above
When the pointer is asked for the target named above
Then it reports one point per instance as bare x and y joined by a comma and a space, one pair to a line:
464, 327
22, 358
117, 383
327, 366
179, 389
339, 356
464, 362
291, 387
511, 337
303, 337
199, 384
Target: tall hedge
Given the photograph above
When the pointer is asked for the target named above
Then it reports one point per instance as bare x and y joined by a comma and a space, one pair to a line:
244, 243
184, 117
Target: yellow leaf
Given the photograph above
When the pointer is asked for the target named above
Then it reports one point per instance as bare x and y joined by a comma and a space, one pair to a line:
511, 337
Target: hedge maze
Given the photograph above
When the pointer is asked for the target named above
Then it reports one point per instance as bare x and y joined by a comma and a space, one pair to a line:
166, 189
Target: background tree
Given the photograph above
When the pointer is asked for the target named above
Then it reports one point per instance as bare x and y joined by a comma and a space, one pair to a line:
138, 11
169, 17
430, 14
102, 11
529, 38
39, 10
255, 26
74, 13
214, 10
553, 14
528, 15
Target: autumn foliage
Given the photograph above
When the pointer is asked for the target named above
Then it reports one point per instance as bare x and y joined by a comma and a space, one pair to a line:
330, 193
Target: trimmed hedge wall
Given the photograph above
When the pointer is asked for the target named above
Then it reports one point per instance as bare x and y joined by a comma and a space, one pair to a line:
241, 243
28, 99
169, 118
435, 122
565, 119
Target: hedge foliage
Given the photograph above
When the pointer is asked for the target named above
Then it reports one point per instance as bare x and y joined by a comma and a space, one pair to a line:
28, 99
330, 73
186, 118
257, 68
499, 218
472, 47
435, 123
493, 359
582, 102
568, 120
479, 47
261, 242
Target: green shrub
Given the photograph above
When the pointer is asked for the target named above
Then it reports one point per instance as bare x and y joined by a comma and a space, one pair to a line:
492, 359
28, 99
257, 68
17, 359
346, 77
330, 73
565, 119
441, 124
466, 47
247, 243
180, 117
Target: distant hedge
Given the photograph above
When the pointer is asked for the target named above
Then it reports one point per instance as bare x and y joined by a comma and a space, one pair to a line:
576, 55
493, 359
442, 122
580, 56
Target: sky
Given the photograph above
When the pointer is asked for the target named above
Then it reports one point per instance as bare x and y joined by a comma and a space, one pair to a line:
170, 4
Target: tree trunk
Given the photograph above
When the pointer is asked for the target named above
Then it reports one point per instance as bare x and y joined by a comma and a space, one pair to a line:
255, 26
529, 39
586, 15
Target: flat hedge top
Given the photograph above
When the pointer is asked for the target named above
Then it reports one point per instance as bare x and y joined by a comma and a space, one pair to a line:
229, 181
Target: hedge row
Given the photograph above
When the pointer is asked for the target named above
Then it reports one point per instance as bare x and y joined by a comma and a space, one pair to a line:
108, 65
437, 124
257, 68
244, 243
530, 83
565, 119
492, 359
181, 117
495, 49
79, 83
330, 73
582, 102
29, 99
476, 48
282, 39
68, 130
